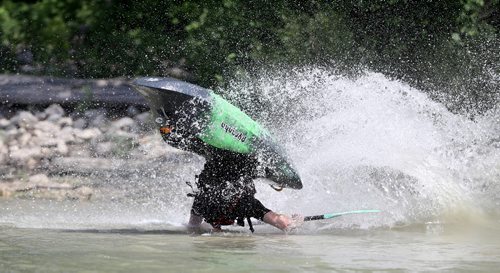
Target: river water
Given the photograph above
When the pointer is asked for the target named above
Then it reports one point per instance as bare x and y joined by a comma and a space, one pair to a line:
137, 241
427, 249
365, 143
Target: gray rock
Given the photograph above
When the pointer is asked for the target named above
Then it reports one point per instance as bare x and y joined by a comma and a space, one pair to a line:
88, 134
45, 140
23, 156
48, 152
67, 135
80, 123
12, 143
3, 153
100, 122
11, 133
4, 123
103, 148
54, 112
24, 139
46, 134
24, 119
47, 126
62, 148
41, 115
65, 121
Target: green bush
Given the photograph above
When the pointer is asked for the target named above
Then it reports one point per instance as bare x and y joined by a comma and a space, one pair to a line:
445, 45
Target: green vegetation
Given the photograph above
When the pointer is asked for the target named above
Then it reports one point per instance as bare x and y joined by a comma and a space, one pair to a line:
451, 46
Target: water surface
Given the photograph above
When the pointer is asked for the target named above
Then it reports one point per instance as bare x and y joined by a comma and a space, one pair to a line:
365, 143
431, 248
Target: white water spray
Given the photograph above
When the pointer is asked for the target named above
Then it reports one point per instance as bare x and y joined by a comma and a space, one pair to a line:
376, 143
364, 143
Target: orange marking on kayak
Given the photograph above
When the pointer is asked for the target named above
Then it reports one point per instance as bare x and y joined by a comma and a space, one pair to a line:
165, 130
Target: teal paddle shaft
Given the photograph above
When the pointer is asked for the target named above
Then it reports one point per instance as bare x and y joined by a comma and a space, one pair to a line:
337, 214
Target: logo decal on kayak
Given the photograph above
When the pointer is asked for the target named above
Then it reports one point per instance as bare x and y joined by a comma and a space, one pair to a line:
231, 130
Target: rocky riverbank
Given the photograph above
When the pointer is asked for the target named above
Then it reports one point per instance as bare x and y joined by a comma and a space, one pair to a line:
53, 153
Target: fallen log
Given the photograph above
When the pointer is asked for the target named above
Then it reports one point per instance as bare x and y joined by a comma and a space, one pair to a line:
31, 90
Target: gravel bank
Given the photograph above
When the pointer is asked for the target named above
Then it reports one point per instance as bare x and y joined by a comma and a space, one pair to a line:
50, 153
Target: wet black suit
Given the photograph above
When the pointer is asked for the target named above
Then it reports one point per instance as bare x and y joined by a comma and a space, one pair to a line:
225, 186
226, 189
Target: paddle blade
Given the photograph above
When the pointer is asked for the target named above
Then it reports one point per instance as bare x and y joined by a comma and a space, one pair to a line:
337, 214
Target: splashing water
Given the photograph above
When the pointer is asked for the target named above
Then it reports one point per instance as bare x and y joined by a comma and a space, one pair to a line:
364, 143
376, 143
